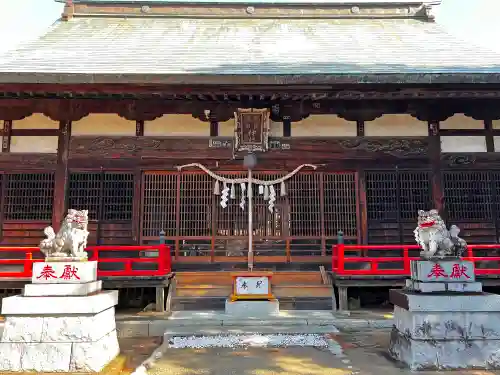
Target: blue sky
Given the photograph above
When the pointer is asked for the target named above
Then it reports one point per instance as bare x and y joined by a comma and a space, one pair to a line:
472, 20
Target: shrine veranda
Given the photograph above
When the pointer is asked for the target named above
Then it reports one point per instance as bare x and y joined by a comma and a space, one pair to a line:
388, 133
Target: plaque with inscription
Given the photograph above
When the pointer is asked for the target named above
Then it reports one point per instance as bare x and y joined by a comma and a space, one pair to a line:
251, 130
251, 286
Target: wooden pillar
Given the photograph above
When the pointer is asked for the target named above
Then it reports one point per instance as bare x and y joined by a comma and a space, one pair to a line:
287, 126
7, 130
436, 173
490, 140
137, 198
214, 126
61, 174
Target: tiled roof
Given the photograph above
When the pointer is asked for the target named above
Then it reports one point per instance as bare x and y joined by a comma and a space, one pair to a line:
104, 50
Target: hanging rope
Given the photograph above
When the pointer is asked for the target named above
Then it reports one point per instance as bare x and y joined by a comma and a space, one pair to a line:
245, 180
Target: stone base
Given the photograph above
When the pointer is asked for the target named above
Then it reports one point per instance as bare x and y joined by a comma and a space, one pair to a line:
56, 290
59, 334
59, 356
444, 354
39, 306
446, 331
418, 286
445, 302
252, 308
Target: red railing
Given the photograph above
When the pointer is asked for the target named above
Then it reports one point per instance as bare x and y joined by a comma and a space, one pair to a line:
363, 265
151, 260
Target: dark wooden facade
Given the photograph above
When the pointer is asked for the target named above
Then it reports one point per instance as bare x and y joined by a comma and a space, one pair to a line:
367, 187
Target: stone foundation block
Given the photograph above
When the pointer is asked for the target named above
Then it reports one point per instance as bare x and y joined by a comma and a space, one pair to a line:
78, 328
93, 356
418, 286
252, 308
450, 325
35, 357
59, 357
56, 290
413, 301
52, 329
444, 354
20, 305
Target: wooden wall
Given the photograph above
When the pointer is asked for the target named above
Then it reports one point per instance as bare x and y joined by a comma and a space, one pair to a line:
97, 162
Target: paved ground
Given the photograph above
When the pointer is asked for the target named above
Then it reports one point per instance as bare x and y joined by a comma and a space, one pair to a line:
364, 354
216, 322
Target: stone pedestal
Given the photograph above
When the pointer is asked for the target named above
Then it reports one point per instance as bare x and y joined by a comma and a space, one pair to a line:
63, 322
443, 320
252, 308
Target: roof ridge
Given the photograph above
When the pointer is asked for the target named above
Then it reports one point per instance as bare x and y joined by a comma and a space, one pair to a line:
364, 9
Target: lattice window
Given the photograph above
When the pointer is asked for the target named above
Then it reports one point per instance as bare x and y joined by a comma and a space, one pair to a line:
29, 196
118, 196
415, 193
84, 192
340, 204
196, 195
159, 204
381, 196
468, 195
305, 210
108, 196
495, 175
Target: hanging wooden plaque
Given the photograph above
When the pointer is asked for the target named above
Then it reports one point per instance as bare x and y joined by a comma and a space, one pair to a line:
251, 130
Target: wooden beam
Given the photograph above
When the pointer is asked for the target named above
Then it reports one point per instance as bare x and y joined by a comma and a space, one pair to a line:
35, 132
61, 174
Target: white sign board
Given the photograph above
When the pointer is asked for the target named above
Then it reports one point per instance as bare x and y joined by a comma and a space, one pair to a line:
246, 285
64, 272
443, 271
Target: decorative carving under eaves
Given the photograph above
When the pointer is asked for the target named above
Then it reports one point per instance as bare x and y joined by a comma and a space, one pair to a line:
455, 160
65, 110
138, 111
104, 145
392, 146
427, 11
360, 114
13, 160
15, 113
251, 130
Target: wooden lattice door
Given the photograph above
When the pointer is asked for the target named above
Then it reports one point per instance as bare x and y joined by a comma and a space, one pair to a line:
304, 222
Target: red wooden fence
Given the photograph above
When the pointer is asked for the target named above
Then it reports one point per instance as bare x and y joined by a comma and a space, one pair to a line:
152, 260
361, 264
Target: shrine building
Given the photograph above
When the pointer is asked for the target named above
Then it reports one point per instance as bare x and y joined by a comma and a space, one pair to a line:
383, 111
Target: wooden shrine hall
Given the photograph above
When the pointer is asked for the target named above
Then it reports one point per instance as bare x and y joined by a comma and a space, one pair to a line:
381, 110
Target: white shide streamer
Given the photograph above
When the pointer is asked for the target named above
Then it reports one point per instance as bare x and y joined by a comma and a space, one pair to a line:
265, 187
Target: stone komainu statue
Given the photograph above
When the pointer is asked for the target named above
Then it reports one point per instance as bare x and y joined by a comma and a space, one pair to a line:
435, 240
71, 240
